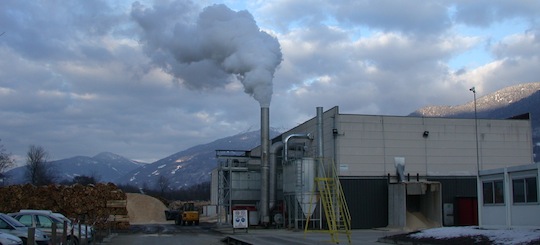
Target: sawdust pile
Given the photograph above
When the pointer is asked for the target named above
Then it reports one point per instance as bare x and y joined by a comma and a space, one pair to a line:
144, 209
417, 221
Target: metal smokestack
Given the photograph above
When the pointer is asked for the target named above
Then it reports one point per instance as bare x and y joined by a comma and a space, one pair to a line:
265, 163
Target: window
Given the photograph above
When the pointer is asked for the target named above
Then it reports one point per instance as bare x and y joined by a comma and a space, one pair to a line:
26, 220
44, 222
493, 192
4, 225
525, 190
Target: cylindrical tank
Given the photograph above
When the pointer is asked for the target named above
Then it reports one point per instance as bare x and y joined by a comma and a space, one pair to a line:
299, 179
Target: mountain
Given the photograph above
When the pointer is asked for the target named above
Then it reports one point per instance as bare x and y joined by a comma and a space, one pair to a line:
505, 103
105, 166
191, 166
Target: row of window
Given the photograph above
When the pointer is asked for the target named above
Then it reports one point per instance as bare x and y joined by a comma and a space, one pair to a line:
524, 190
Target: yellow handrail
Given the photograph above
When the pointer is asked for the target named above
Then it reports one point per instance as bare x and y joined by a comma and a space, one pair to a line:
334, 204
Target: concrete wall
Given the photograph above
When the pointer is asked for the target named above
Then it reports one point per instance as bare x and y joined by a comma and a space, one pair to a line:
367, 145
397, 208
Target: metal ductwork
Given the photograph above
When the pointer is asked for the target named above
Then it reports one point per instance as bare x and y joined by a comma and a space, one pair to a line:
286, 143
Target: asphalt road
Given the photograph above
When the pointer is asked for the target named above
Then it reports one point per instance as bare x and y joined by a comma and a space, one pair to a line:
166, 239
167, 234
209, 234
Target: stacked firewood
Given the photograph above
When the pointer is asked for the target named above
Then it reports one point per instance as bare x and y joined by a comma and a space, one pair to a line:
87, 204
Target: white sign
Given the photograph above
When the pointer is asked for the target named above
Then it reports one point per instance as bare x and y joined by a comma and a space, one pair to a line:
240, 219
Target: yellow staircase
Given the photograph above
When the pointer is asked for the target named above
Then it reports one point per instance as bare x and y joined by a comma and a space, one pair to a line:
336, 211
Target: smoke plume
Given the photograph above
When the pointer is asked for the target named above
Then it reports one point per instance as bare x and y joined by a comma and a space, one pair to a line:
210, 48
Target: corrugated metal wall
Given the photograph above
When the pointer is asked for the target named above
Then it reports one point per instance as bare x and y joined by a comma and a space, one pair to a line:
453, 187
368, 202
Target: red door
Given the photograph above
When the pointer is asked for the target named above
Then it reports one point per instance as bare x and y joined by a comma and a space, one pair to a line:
466, 211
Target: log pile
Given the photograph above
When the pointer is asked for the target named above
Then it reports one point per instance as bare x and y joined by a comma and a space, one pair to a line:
87, 204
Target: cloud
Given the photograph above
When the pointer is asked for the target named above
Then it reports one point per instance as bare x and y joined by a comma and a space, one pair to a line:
396, 16
485, 13
149, 79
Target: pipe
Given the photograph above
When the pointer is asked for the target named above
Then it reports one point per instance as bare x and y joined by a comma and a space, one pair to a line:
320, 141
265, 148
286, 142
320, 145
273, 174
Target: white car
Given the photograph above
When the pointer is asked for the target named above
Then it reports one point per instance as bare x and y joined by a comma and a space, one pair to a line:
8, 239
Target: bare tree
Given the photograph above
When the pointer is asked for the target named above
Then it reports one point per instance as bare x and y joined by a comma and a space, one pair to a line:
163, 184
38, 172
6, 162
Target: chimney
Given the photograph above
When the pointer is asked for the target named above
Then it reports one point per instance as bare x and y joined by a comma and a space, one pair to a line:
265, 163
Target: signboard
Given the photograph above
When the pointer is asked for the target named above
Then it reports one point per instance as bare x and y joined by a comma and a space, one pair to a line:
240, 219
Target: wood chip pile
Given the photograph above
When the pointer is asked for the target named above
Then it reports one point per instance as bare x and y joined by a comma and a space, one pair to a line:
85, 203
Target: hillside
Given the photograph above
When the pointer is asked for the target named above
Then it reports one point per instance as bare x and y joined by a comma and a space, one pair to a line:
191, 166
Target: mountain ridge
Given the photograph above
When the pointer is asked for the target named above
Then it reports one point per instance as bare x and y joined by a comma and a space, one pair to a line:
105, 167
191, 166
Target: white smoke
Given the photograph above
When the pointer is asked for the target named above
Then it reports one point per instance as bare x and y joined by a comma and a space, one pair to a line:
211, 48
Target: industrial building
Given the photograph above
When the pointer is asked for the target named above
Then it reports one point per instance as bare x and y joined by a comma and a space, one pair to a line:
391, 171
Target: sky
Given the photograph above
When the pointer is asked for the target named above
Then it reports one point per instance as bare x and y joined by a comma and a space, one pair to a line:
147, 79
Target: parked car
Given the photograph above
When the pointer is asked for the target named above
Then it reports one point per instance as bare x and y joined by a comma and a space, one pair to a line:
75, 226
11, 226
8, 239
43, 219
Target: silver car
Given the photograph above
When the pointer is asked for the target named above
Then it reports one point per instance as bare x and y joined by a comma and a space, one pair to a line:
11, 226
43, 219
8, 239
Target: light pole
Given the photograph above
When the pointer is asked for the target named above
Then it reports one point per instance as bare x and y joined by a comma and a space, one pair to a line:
480, 198
473, 89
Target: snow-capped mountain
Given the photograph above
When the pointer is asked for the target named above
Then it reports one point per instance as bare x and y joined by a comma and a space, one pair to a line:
505, 103
191, 166
105, 167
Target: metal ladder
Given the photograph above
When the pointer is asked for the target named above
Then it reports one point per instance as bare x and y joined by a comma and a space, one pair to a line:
334, 204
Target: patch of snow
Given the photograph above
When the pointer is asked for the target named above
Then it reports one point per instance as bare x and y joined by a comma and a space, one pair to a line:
162, 166
498, 236
183, 159
134, 177
155, 172
176, 169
